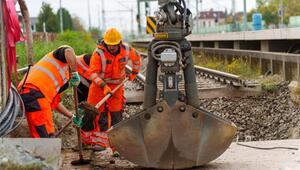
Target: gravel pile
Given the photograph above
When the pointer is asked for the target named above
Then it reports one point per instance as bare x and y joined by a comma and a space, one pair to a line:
131, 110
269, 116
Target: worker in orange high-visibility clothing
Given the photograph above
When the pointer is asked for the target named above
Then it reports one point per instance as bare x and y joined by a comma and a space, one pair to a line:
83, 63
41, 89
107, 68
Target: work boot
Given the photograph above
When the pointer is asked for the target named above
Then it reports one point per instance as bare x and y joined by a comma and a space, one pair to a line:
98, 148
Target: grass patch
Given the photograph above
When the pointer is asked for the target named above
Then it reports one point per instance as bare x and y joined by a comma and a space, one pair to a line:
271, 83
236, 65
82, 42
297, 89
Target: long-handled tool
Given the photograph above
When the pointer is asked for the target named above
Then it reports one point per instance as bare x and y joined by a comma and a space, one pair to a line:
94, 110
80, 161
90, 109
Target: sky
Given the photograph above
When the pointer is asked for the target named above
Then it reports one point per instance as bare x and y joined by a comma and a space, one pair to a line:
118, 12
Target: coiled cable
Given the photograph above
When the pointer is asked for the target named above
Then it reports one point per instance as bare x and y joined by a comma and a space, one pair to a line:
14, 107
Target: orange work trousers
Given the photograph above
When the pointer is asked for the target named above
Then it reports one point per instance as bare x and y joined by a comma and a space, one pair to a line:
38, 113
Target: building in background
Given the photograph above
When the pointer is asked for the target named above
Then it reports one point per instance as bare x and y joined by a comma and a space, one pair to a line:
33, 23
210, 18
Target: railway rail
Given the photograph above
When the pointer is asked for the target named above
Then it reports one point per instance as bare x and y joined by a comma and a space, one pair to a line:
285, 64
211, 84
223, 77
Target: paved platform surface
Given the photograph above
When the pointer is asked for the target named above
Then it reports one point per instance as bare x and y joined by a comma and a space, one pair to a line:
271, 34
243, 158
235, 158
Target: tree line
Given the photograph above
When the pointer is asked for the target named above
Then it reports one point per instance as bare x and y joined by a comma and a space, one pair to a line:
270, 10
52, 21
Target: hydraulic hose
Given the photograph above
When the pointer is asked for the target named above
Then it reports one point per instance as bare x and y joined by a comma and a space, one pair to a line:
165, 44
184, 11
14, 107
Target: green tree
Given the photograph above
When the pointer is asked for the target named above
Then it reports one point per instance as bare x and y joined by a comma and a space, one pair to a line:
67, 19
95, 32
77, 24
47, 16
269, 13
269, 10
261, 2
291, 8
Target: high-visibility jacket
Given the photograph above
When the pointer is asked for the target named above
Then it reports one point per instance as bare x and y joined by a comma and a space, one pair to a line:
83, 70
111, 69
108, 69
48, 75
41, 93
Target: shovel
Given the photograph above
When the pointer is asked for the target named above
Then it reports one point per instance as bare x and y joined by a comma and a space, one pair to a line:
88, 109
81, 160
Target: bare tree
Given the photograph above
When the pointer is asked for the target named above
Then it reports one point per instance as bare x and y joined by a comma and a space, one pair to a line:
25, 14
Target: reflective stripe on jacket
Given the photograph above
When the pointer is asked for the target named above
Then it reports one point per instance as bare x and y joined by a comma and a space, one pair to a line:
111, 69
83, 70
82, 67
95, 138
48, 75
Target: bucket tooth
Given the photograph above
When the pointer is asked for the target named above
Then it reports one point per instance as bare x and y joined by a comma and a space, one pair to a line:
172, 138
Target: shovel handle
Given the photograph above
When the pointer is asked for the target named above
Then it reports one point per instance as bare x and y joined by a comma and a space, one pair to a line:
78, 128
63, 128
110, 94
97, 106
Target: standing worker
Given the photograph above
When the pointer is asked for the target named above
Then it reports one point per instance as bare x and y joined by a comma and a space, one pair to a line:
107, 69
41, 89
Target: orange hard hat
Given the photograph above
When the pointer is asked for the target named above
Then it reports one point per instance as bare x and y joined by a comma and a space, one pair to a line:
112, 36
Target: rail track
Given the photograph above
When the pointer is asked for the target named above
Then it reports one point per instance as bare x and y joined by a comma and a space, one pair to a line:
285, 64
211, 83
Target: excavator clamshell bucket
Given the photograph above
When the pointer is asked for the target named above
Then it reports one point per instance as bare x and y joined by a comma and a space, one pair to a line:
175, 137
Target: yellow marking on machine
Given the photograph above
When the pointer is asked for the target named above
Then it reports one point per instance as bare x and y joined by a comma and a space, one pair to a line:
151, 25
161, 35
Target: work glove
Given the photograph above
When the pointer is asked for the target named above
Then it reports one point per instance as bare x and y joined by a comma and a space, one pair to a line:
131, 77
106, 90
115, 154
75, 79
77, 120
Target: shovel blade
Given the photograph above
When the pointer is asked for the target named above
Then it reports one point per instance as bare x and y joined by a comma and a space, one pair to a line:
172, 138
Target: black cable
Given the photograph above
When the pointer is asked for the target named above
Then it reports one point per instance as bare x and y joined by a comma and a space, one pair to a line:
19, 101
10, 112
267, 148
184, 12
29, 66
14, 106
6, 114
